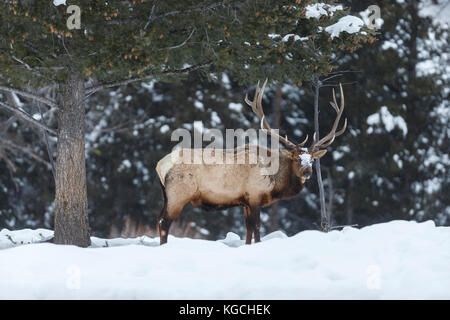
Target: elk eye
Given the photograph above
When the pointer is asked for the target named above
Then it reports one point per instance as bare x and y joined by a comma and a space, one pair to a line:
307, 175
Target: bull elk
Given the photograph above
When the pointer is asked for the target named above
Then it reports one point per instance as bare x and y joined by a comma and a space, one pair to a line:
220, 185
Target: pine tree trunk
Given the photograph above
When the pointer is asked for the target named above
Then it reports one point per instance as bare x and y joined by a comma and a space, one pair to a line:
71, 209
324, 218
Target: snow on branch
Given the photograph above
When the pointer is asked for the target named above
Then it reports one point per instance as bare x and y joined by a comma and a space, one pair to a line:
294, 37
59, 2
349, 24
9, 239
318, 10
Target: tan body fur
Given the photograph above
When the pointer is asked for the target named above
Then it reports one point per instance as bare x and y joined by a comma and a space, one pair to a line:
219, 186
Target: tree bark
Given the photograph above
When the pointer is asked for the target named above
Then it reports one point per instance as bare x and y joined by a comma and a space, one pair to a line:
324, 218
330, 197
71, 209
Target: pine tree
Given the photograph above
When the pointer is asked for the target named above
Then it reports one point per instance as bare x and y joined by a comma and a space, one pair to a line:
124, 42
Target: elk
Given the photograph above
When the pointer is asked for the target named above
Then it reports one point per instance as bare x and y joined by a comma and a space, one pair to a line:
220, 186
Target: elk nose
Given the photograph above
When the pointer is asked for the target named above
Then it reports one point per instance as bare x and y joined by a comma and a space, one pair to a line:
307, 175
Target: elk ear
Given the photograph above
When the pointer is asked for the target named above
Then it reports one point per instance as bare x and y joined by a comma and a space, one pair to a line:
318, 154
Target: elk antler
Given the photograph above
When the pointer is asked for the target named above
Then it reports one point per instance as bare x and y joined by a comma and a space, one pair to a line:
329, 138
256, 105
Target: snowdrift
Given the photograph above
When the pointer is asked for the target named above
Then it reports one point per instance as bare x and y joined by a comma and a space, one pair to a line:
395, 260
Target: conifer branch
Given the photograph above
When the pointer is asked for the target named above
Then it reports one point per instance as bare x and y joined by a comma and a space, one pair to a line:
25, 116
99, 87
12, 146
181, 44
46, 101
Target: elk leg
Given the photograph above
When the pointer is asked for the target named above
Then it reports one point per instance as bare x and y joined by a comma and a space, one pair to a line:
164, 220
253, 223
173, 205
256, 213
250, 223
164, 223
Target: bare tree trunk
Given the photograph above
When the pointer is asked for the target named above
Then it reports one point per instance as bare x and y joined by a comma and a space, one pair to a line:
324, 219
330, 196
71, 210
275, 214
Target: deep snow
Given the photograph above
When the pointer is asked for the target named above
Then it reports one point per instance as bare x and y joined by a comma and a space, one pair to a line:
395, 260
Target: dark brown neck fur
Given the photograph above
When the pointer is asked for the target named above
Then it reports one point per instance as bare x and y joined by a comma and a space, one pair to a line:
287, 184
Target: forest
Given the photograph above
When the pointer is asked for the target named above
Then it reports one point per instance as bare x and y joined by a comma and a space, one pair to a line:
86, 114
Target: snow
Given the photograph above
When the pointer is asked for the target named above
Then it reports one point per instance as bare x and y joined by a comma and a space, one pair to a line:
439, 11
318, 10
215, 119
398, 161
126, 164
164, 128
388, 120
59, 2
17, 101
388, 44
199, 105
337, 155
306, 159
395, 260
235, 106
349, 24
273, 35
94, 135
294, 37
286, 38
226, 81
10, 239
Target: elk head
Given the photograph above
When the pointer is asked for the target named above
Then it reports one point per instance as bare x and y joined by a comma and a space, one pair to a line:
302, 157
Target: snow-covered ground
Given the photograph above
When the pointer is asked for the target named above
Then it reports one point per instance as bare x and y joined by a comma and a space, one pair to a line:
395, 260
